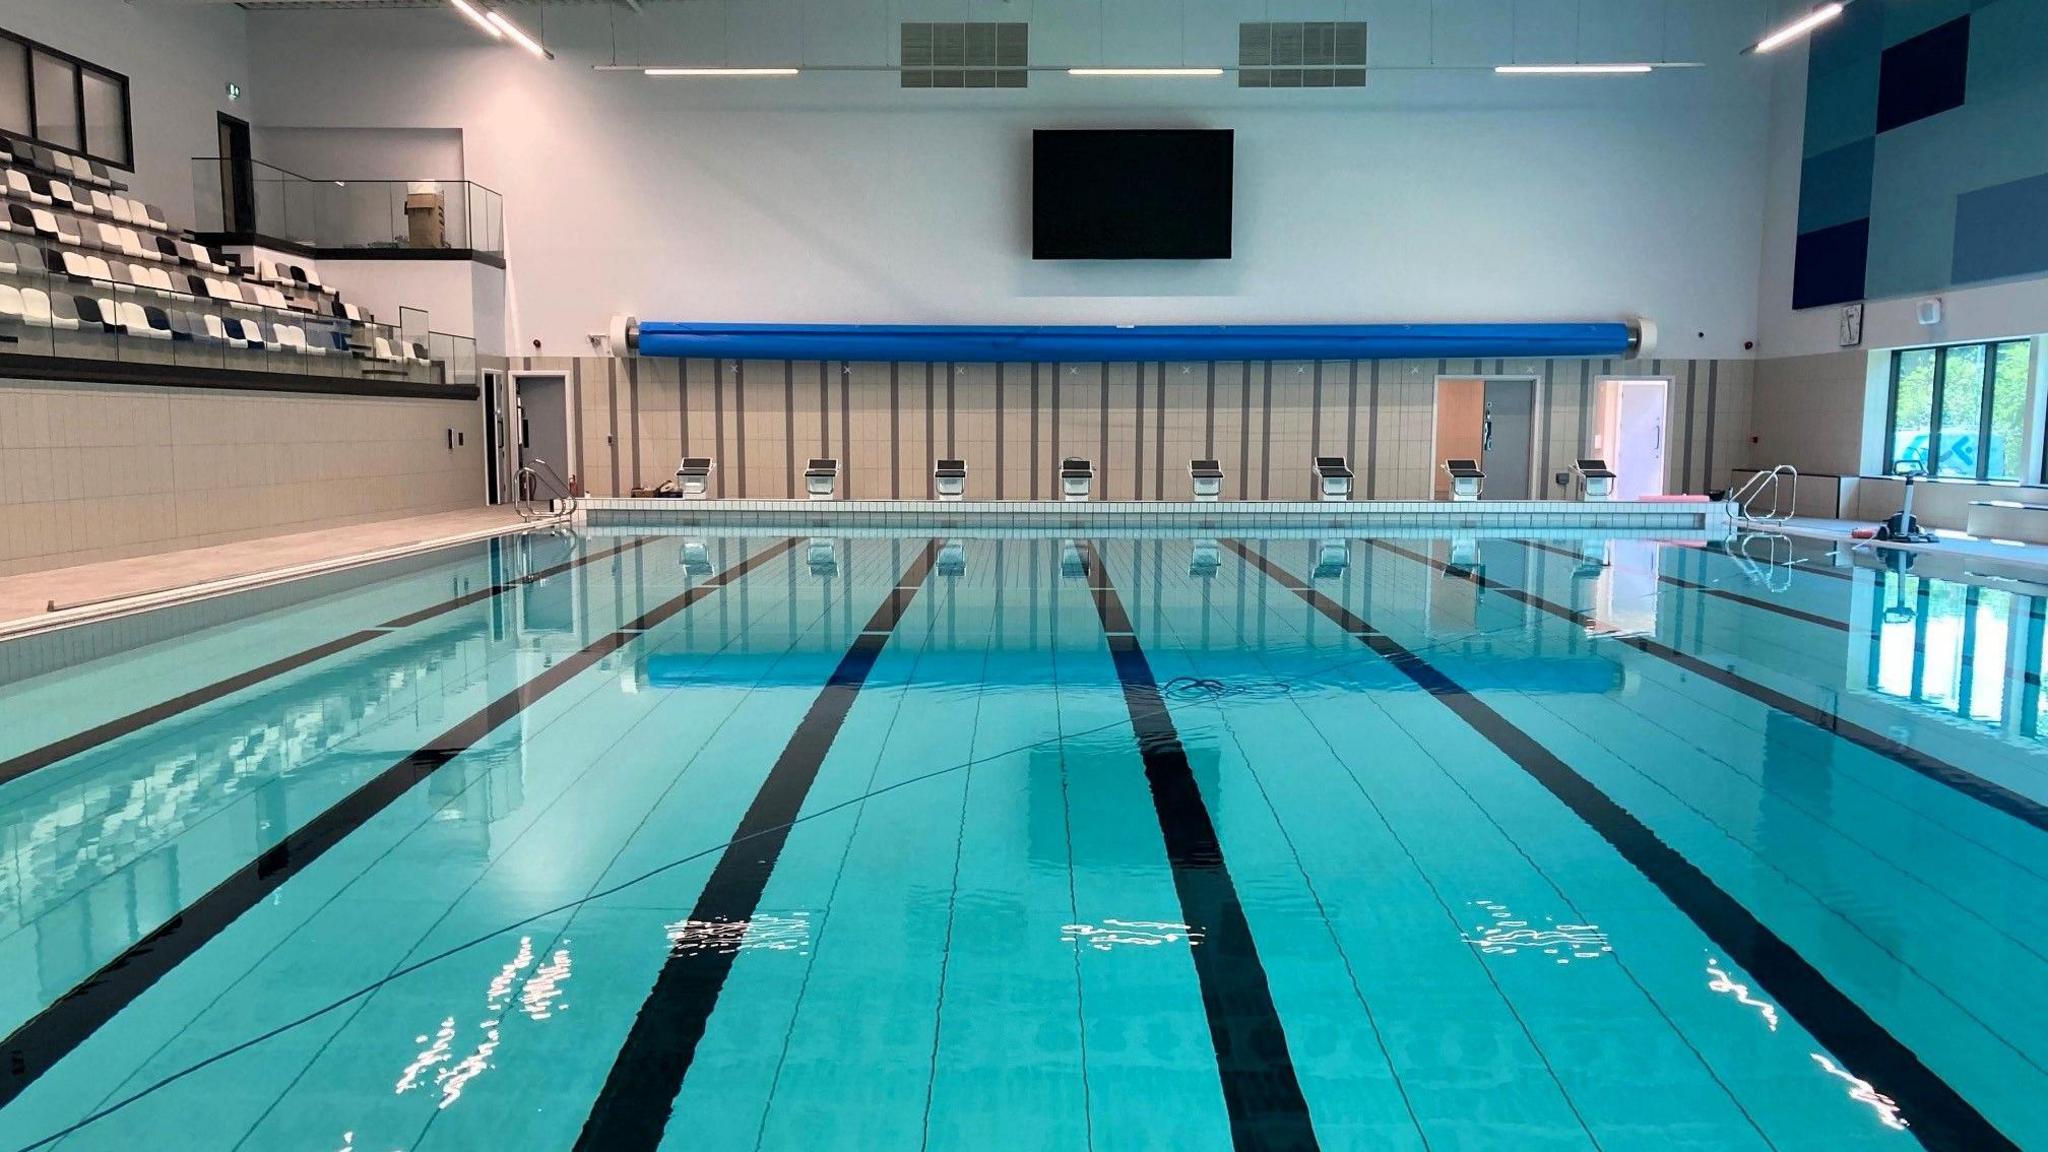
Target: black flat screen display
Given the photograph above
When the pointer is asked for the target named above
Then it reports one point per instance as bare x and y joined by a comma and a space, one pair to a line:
1137, 194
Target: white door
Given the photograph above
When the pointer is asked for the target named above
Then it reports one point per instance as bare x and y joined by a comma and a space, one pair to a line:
1639, 440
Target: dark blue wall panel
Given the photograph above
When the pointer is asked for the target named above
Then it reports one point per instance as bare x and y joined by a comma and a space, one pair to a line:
1829, 266
1924, 76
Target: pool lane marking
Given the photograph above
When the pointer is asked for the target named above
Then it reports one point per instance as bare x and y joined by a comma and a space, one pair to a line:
1939, 1115
53, 1033
77, 743
1260, 1089
639, 1094
1986, 792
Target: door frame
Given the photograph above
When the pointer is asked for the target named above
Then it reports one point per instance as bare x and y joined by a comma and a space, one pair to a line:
492, 396
571, 427
1600, 384
237, 176
1539, 396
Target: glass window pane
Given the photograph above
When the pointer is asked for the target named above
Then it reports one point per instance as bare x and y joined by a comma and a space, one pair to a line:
106, 117
1912, 418
2008, 411
14, 88
57, 101
1962, 406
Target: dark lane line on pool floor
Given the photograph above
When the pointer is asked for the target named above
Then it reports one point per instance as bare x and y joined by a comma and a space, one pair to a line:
1260, 1089
16, 767
52, 1034
633, 1109
1939, 1115
1955, 776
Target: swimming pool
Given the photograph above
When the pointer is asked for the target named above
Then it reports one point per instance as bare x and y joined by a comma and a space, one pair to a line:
1014, 841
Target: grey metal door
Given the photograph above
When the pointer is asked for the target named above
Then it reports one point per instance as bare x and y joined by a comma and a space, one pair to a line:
1510, 422
543, 431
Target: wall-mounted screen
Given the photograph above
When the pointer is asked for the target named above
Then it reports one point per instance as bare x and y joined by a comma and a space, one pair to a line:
1135, 194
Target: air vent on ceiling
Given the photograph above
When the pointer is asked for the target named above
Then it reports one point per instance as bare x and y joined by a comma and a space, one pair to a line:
983, 54
1321, 54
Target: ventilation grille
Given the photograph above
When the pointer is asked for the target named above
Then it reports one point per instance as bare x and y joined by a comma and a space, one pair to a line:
1316, 55
983, 54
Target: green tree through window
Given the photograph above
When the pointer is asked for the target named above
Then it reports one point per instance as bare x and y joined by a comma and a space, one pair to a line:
1960, 411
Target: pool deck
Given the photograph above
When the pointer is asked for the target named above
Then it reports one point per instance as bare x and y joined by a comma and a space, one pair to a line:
1955, 545
89, 590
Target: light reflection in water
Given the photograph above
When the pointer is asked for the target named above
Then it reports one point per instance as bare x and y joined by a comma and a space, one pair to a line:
1141, 933
538, 996
765, 932
1720, 981
1506, 936
1861, 1091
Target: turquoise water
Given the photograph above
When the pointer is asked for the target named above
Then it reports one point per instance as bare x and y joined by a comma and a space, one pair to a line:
725, 843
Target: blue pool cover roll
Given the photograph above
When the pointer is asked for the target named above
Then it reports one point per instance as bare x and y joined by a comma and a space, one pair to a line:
1087, 343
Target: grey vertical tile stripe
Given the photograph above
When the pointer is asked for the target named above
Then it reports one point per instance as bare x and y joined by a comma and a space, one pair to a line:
683, 404
895, 434
1586, 406
1138, 441
1692, 372
1053, 428
1500, 367
739, 422
1102, 428
1549, 389
1266, 434
825, 416
1713, 398
632, 370
1034, 431
1209, 417
1159, 432
1244, 431
999, 429
951, 407
1372, 434
789, 427
718, 424
846, 423
611, 435
1351, 415
931, 400
1315, 412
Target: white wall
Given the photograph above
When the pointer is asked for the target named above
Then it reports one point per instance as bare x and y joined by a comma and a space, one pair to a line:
1431, 195
179, 59
362, 153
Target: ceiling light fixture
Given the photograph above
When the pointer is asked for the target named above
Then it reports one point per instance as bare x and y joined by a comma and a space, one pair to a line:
477, 18
1574, 69
720, 71
1799, 27
519, 36
1144, 71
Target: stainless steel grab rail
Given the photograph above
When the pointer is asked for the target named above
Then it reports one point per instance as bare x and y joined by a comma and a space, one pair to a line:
530, 482
1782, 483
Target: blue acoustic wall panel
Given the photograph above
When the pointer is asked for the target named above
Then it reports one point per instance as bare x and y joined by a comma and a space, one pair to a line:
1923, 141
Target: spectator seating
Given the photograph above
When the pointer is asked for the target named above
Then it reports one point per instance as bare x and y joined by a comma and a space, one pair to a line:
87, 257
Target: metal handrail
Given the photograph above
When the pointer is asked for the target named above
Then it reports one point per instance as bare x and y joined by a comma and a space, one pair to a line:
1775, 482
524, 498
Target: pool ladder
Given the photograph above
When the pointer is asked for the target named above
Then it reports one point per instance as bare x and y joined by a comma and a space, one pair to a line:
1782, 483
531, 498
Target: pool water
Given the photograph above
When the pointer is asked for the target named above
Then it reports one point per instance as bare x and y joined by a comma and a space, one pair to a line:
655, 841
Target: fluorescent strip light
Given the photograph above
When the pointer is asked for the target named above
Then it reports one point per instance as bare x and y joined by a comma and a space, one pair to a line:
1799, 27
520, 37
1574, 69
720, 71
1144, 71
477, 18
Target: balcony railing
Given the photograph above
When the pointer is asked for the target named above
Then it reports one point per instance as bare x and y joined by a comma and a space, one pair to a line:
270, 203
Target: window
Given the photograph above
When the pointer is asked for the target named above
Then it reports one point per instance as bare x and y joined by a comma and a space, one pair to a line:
1960, 411
54, 98
1322, 54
